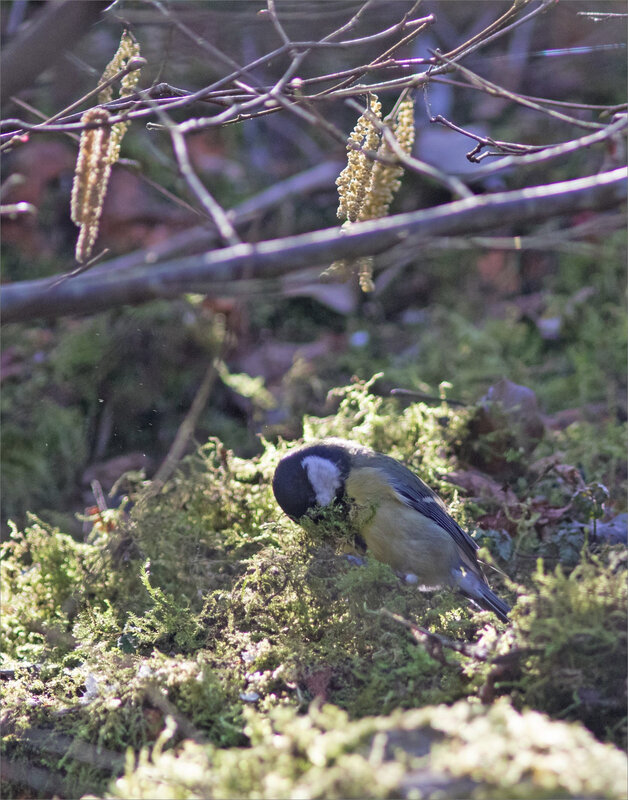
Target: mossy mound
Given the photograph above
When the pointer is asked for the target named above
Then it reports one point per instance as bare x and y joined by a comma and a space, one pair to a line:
438, 752
574, 628
203, 601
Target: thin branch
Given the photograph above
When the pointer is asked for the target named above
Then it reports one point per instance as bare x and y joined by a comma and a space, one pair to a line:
498, 91
558, 103
13, 210
419, 26
551, 151
272, 11
134, 64
89, 292
129, 165
485, 36
465, 49
350, 24
512, 148
213, 208
81, 268
436, 643
408, 82
184, 433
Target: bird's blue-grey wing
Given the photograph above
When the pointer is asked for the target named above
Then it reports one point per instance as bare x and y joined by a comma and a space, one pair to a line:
416, 494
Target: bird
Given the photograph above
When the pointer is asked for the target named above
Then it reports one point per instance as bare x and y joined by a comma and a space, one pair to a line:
400, 519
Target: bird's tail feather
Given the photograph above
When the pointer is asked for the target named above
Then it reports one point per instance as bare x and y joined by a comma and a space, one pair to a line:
489, 601
477, 590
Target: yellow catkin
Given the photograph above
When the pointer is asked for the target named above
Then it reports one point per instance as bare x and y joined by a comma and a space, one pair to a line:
127, 49
366, 188
100, 148
354, 180
386, 180
90, 181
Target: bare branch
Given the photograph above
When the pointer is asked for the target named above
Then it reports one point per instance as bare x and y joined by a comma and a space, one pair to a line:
89, 292
552, 151
214, 209
499, 27
320, 177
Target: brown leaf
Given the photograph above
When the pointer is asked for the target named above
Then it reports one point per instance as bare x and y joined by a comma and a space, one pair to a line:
108, 472
317, 682
273, 359
482, 486
588, 413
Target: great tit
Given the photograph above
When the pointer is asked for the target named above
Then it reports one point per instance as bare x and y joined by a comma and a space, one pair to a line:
401, 520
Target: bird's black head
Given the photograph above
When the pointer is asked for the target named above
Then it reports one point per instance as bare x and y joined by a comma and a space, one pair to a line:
310, 477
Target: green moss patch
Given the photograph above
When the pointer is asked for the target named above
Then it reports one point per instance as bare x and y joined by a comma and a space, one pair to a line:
199, 625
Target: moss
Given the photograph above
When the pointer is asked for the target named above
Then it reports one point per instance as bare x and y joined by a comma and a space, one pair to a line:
435, 752
112, 703
43, 572
599, 451
100, 385
575, 626
565, 653
204, 600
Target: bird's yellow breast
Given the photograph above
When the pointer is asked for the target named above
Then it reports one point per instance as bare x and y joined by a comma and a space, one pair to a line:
397, 534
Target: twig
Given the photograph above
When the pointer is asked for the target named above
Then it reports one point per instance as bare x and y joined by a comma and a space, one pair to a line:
319, 177
419, 25
184, 434
80, 269
260, 93
204, 196
551, 151
436, 643
465, 49
15, 209
134, 64
213, 208
498, 91
130, 166
272, 11
486, 36
482, 141
548, 102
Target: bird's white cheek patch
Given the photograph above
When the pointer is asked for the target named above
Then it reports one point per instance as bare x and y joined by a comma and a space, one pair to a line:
324, 477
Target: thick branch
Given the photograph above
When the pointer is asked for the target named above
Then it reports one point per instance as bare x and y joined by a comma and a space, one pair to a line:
44, 41
87, 293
